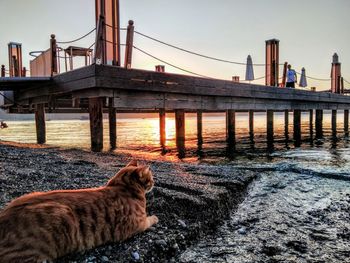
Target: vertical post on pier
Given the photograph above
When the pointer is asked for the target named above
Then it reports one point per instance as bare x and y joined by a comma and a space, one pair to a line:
199, 127
129, 45
251, 125
231, 127
336, 75
311, 122
162, 129
40, 123
319, 124
112, 116
3, 71
346, 122
297, 127
272, 62
269, 126
334, 123
96, 123
109, 51
53, 47
180, 131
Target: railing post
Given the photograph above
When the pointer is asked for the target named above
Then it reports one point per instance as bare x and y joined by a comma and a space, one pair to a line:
53, 47
129, 44
100, 47
3, 71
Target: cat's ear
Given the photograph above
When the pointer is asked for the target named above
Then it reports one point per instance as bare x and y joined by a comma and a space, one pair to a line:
132, 163
144, 171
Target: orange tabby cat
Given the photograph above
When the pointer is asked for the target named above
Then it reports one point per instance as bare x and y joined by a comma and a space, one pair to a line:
47, 225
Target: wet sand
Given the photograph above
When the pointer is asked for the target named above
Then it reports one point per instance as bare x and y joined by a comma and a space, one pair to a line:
192, 201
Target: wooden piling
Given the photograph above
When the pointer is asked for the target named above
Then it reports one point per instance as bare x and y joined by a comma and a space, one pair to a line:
180, 131
319, 124
112, 116
199, 127
297, 127
251, 124
269, 125
162, 129
96, 123
286, 124
40, 123
231, 127
311, 122
334, 122
3, 71
346, 122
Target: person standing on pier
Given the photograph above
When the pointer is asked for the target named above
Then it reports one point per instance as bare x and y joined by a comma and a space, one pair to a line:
291, 77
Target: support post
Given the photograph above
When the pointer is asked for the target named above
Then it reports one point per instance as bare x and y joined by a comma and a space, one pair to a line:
231, 127
3, 71
96, 123
297, 127
319, 124
129, 45
286, 124
311, 122
346, 122
199, 127
251, 125
180, 131
334, 123
162, 129
112, 115
269, 126
40, 123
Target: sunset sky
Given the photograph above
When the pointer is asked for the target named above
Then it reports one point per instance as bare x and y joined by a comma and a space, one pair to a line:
310, 31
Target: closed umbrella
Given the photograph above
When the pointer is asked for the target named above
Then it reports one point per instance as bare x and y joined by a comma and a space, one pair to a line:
249, 73
303, 82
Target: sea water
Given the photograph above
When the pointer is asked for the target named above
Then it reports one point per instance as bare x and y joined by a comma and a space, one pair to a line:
298, 208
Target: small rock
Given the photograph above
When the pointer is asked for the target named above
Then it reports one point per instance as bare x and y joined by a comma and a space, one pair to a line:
105, 259
135, 255
242, 231
182, 223
161, 242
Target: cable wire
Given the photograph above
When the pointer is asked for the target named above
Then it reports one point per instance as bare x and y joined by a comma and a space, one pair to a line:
197, 54
75, 40
309, 77
169, 64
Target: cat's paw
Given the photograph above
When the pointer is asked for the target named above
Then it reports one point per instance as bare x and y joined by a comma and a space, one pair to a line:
153, 220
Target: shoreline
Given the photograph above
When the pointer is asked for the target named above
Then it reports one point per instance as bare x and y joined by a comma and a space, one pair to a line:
190, 200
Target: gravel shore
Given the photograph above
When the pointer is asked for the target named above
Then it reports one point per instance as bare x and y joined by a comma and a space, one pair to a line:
190, 200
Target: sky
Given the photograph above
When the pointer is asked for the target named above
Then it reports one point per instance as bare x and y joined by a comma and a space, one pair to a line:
310, 31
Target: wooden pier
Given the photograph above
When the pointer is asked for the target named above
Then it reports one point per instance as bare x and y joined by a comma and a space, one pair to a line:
101, 88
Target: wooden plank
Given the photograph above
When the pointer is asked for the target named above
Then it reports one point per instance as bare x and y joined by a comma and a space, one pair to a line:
96, 123
40, 123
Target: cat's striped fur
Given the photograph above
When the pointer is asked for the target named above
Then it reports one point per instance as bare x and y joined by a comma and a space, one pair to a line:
47, 225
